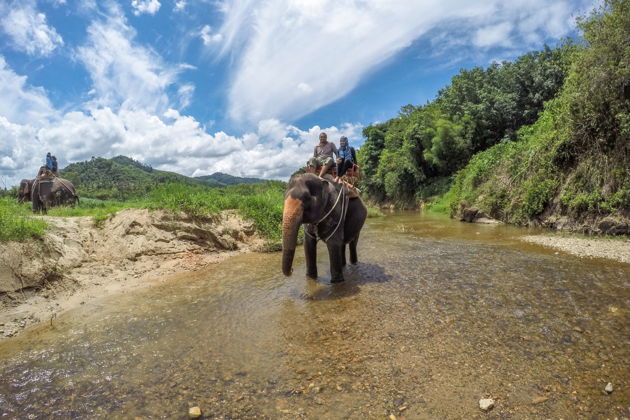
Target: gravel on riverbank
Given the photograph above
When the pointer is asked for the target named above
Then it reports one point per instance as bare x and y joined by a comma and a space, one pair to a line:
614, 249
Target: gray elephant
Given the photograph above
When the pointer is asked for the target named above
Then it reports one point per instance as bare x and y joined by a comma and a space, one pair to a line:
328, 214
50, 192
24, 192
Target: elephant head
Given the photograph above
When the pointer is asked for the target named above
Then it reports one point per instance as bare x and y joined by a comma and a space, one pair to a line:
305, 202
24, 192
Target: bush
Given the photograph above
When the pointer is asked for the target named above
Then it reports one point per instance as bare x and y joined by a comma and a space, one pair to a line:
16, 222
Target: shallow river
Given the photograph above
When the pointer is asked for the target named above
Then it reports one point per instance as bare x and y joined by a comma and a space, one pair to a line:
436, 315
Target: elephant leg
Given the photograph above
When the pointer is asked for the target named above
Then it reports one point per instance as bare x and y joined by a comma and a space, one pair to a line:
353, 251
343, 255
334, 253
310, 252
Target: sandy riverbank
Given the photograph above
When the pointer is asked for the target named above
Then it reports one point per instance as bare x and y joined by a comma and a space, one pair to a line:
77, 261
613, 249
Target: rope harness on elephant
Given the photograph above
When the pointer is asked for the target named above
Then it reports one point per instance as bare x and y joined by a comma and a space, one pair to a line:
344, 208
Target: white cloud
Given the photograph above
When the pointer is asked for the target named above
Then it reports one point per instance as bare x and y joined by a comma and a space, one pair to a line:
19, 102
208, 37
493, 35
28, 29
180, 5
124, 73
185, 93
326, 47
170, 141
145, 6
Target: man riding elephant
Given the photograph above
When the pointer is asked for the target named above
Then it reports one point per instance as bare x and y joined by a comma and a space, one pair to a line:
323, 155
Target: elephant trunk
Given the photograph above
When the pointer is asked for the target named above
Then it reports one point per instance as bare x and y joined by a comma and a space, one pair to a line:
291, 220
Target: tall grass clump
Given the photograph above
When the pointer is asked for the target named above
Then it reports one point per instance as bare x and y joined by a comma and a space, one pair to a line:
16, 222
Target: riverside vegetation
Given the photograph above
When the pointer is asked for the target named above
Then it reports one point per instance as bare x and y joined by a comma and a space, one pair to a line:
540, 140
107, 186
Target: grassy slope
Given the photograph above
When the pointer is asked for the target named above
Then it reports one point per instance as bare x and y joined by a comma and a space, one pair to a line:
574, 161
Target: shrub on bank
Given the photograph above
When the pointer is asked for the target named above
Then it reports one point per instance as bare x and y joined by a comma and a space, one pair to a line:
16, 223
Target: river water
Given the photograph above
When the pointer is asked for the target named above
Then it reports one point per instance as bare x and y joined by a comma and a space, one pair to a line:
436, 315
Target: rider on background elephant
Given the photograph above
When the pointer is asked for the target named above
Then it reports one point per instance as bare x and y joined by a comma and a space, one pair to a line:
328, 214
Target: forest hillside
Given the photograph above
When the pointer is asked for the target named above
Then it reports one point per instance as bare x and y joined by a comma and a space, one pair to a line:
543, 140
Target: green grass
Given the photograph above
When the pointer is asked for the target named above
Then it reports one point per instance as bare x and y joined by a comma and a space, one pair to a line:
261, 203
17, 223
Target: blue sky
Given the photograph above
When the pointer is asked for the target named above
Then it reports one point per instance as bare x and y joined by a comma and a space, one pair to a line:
237, 86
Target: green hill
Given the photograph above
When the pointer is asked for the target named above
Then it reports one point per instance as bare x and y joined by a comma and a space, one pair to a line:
226, 179
123, 178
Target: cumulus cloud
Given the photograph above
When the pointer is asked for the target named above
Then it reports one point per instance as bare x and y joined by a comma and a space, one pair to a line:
122, 71
295, 56
149, 7
168, 141
27, 28
20, 102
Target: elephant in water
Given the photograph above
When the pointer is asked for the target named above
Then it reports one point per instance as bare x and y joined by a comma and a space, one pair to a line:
50, 192
24, 192
328, 214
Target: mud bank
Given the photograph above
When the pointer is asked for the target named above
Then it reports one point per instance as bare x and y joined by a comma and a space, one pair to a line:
77, 261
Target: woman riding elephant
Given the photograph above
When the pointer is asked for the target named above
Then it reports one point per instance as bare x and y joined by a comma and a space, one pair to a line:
50, 192
328, 214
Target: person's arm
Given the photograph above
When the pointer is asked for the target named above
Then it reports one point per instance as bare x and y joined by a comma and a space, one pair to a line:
334, 149
315, 151
354, 154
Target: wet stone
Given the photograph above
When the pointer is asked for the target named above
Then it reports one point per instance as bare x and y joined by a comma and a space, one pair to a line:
486, 404
194, 412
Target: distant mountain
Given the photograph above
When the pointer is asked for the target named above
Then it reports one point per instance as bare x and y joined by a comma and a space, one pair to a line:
226, 179
122, 178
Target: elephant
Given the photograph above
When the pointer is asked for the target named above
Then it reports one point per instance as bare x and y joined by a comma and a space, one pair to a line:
50, 192
328, 214
24, 192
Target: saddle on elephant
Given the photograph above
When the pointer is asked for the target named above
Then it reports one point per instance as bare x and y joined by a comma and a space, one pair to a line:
351, 178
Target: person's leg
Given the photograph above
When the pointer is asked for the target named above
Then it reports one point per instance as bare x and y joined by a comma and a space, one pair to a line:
326, 164
344, 167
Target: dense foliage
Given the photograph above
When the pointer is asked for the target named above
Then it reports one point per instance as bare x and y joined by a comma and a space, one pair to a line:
403, 157
575, 160
547, 134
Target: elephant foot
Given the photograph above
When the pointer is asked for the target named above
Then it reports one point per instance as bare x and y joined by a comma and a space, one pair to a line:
312, 275
339, 279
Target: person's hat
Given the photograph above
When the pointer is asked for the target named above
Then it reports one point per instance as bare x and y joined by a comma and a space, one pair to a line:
343, 138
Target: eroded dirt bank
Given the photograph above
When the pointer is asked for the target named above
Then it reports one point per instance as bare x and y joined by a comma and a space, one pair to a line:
77, 260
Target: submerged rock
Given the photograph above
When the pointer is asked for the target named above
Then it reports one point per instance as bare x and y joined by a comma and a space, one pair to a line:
486, 404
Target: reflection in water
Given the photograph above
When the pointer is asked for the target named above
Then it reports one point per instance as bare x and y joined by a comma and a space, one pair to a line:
436, 315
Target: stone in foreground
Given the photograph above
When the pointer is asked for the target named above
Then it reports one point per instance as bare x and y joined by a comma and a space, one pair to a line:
194, 412
609, 388
486, 404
